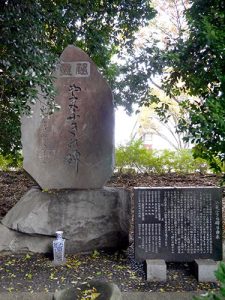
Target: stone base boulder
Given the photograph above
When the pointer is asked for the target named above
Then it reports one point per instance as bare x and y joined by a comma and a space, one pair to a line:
90, 219
14, 241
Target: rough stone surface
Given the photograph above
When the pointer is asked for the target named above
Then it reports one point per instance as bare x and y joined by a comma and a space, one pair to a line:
107, 291
14, 241
26, 296
205, 270
72, 148
156, 270
161, 296
89, 220
125, 296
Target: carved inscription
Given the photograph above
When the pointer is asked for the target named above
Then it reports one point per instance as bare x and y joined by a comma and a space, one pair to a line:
74, 69
43, 150
65, 69
45, 153
73, 156
82, 69
179, 224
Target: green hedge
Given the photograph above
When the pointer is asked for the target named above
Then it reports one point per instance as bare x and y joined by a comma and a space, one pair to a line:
136, 158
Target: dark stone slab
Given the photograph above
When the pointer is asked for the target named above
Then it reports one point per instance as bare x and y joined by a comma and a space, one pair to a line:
178, 224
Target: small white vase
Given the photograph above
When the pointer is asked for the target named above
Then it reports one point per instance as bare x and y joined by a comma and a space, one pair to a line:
59, 248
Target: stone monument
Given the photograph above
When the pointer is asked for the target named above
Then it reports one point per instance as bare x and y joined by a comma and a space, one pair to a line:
72, 148
178, 225
70, 154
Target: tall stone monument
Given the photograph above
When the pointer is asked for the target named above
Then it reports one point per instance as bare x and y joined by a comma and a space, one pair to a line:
70, 154
74, 147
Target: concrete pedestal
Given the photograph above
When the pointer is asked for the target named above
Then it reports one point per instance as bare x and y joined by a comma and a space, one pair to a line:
156, 270
205, 270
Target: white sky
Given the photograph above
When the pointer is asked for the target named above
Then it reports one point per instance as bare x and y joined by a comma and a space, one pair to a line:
124, 125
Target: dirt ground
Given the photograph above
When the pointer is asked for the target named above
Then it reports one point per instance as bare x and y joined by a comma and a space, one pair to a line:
35, 272
14, 184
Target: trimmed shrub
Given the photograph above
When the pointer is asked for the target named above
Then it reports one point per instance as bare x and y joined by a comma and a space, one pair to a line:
134, 157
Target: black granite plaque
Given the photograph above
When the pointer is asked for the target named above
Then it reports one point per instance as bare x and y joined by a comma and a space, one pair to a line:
178, 224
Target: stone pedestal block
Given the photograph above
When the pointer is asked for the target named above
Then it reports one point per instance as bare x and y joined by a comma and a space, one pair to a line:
205, 270
89, 219
156, 270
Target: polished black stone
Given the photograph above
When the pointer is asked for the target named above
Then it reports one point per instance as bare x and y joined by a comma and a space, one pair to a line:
178, 224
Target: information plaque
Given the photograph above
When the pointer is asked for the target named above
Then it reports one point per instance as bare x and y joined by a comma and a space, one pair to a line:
178, 224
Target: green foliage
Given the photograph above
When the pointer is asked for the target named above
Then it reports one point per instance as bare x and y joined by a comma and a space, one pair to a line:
25, 62
220, 275
95, 254
200, 64
135, 158
34, 34
194, 58
10, 161
185, 162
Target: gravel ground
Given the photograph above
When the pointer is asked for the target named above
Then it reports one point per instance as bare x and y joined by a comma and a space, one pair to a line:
35, 272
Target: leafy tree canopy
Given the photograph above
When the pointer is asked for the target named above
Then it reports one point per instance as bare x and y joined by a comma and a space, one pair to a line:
200, 64
150, 123
33, 35
192, 64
